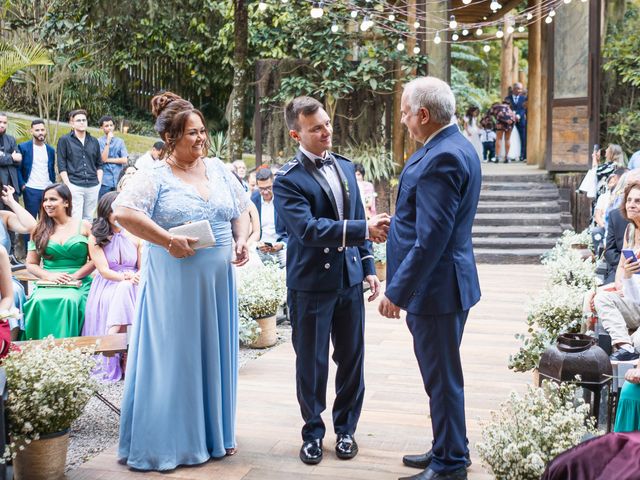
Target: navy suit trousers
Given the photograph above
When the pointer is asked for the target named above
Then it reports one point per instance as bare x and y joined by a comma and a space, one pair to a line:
316, 318
436, 342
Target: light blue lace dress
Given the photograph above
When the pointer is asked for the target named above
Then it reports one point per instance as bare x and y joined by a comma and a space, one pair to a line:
179, 400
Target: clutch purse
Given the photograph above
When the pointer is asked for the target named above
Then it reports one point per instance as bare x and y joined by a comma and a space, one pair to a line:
200, 230
46, 283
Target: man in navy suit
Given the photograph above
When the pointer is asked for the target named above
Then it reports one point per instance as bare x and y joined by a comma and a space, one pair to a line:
273, 235
328, 256
518, 102
431, 270
37, 169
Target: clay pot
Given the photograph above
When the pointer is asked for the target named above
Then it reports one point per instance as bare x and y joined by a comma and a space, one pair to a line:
268, 334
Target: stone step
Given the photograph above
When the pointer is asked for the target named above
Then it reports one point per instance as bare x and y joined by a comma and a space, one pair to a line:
505, 219
523, 177
518, 186
518, 207
514, 231
516, 195
497, 256
511, 243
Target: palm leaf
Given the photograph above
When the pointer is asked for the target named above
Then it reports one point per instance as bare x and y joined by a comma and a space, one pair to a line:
17, 57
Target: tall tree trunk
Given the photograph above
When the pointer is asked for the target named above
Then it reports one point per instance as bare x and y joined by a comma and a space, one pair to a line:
239, 91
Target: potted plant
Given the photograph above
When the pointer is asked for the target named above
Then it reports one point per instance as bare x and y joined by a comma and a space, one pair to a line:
380, 259
531, 430
260, 292
48, 386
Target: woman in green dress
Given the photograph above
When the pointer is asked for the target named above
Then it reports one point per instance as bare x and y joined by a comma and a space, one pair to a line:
56, 307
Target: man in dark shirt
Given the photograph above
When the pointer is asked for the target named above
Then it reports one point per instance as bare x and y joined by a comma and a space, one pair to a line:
10, 158
80, 165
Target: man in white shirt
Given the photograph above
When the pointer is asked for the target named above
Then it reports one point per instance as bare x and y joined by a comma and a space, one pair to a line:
37, 170
150, 158
273, 237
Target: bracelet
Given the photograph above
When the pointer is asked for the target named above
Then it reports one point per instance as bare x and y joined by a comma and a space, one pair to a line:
170, 244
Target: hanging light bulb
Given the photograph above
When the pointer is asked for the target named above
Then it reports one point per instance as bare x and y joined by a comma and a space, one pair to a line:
316, 10
262, 6
335, 28
437, 39
583, 1
284, 1
567, 2
416, 24
495, 6
479, 32
499, 33
552, 13
486, 49
521, 29
366, 24
529, 16
548, 19
452, 22
466, 2
465, 32
392, 17
510, 29
455, 37
416, 50
400, 46
354, 13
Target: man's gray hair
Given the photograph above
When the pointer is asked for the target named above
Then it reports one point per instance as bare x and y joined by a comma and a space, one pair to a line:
434, 95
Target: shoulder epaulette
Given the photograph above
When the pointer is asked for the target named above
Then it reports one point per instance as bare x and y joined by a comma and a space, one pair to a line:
286, 168
341, 157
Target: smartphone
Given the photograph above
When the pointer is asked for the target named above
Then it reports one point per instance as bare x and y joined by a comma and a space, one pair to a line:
596, 147
270, 245
628, 253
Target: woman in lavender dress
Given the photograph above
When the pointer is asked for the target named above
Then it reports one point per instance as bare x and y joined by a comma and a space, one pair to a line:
112, 299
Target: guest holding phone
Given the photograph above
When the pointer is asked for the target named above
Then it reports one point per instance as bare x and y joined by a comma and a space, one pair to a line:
58, 256
620, 313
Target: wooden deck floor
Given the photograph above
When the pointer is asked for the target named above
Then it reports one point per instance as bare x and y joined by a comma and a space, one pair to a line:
395, 416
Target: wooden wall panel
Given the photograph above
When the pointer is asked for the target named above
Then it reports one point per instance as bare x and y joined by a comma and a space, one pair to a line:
570, 142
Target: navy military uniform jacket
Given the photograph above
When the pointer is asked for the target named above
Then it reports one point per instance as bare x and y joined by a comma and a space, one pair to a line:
324, 253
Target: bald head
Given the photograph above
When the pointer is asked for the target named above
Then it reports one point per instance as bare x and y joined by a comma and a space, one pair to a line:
517, 88
432, 94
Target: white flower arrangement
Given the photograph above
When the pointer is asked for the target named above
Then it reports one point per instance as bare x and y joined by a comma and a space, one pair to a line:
261, 290
530, 430
566, 242
567, 266
556, 310
48, 385
249, 330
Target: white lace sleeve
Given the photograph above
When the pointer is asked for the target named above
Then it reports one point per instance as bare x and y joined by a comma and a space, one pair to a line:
239, 196
140, 193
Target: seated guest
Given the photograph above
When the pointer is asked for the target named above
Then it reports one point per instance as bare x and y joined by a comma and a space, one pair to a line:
150, 158
56, 306
112, 298
616, 226
367, 192
20, 221
621, 313
273, 237
7, 309
601, 211
628, 411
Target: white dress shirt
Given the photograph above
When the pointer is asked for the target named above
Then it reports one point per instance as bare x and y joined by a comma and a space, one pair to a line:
267, 222
330, 173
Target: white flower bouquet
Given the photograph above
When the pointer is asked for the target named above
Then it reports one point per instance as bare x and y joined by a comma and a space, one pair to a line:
48, 385
261, 291
530, 430
566, 242
569, 267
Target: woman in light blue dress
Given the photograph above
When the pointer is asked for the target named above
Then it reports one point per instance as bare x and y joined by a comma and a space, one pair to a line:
179, 401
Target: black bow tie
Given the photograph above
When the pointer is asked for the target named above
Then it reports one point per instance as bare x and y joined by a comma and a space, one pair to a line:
323, 162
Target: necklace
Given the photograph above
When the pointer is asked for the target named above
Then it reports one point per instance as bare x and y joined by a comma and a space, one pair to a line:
171, 161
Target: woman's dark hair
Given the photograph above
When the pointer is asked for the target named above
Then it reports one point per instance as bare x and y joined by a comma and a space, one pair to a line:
172, 112
635, 184
45, 225
101, 228
471, 110
359, 168
123, 172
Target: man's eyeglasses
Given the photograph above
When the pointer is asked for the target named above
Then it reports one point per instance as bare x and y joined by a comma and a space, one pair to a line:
265, 189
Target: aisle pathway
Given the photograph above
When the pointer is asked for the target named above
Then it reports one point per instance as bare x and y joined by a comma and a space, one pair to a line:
395, 416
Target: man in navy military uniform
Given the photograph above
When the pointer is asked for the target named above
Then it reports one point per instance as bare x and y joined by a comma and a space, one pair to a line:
431, 270
328, 257
518, 102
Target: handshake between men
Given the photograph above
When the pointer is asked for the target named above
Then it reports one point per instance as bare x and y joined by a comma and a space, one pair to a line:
379, 227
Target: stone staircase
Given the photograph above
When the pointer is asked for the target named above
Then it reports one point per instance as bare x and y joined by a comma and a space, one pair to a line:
520, 215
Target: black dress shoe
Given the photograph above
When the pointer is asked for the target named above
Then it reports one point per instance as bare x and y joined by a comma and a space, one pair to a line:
346, 446
311, 451
423, 460
428, 474
623, 355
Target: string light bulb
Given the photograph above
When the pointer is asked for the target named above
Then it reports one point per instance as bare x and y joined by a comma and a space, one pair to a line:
262, 6
548, 19
510, 29
466, 2
354, 13
479, 32
455, 36
486, 49
567, 2
529, 16
521, 29
437, 39
392, 17
416, 24
284, 1
366, 24
552, 13
316, 10
452, 22
499, 33
416, 50
495, 6
400, 46
335, 28
465, 32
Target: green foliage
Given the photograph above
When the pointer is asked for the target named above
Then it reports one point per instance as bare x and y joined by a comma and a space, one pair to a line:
376, 159
17, 56
219, 143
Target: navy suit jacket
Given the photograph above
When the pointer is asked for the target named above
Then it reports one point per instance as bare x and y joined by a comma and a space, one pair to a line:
26, 149
323, 252
616, 227
431, 269
518, 107
281, 232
